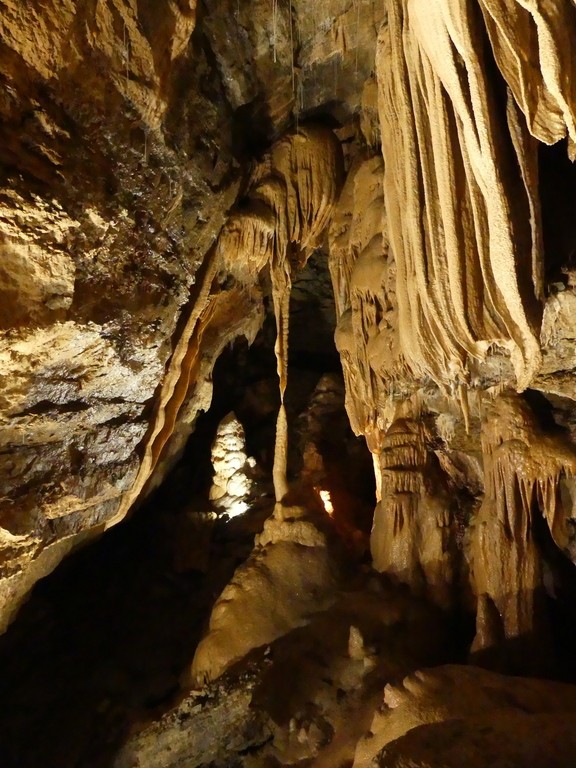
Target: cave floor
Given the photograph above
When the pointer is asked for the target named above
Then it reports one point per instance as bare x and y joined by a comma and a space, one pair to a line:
102, 642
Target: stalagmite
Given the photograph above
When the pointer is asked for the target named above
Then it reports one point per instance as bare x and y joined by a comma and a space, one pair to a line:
280, 455
232, 480
289, 205
291, 573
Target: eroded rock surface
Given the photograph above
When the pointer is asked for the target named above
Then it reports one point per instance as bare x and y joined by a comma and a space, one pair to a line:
103, 199
449, 714
167, 172
292, 573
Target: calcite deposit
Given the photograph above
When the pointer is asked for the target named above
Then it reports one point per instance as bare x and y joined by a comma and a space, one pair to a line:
169, 172
445, 715
292, 574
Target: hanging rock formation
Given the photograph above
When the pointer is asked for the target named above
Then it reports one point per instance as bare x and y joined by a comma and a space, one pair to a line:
413, 531
168, 169
461, 196
522, 469
363, 274
289, 205
439, 265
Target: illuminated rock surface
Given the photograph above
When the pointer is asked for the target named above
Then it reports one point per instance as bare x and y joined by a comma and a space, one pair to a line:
195, 200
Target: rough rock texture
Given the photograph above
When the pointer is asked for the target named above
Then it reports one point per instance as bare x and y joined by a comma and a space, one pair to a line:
413, 532
451, 714
169, 169
538, 739
344, 657
292, 573
522, 469
231, 483
312, 691
108, 204
125, 139
363, 273
442, 274
209, 727
454, 151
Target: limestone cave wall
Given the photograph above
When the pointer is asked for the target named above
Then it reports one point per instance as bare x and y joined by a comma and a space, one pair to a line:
168, 170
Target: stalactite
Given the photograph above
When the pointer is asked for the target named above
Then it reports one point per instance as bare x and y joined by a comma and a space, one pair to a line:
459, 285
533, 47
462, 173
362, 277
281, 288
274, 26
288, 205
412, 537
290, 201
522, 468
357, 36
291, 23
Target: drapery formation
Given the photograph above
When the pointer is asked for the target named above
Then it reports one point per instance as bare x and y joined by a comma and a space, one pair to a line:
461, 180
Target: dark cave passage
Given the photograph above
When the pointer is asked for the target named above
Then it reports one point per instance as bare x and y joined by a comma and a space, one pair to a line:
103, 641
105, 635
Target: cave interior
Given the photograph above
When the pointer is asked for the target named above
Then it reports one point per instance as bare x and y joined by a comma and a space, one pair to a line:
287, 404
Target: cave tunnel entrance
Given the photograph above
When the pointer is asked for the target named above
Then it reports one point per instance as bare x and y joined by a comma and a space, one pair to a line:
102, 642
